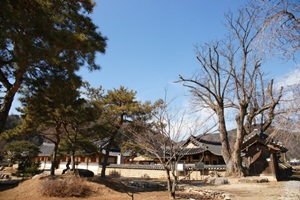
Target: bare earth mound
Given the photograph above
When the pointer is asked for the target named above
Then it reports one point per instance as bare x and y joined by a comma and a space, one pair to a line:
102, 189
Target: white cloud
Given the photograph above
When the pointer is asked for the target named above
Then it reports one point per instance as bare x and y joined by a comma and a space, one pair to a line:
290, 79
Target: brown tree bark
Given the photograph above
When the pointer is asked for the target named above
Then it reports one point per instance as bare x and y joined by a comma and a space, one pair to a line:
4, 110
106, 155
9, 96
54, 160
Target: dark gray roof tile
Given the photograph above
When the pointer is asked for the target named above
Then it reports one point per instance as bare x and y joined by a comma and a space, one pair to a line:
46, 149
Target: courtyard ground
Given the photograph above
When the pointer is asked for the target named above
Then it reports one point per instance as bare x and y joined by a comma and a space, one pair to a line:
113, 189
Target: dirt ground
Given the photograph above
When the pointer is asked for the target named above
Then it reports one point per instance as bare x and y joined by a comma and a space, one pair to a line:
111, 189
282, 190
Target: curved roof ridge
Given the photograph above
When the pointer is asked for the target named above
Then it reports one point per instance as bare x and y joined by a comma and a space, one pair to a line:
209, 142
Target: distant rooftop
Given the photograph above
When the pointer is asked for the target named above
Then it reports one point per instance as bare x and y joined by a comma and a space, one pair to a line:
46, 149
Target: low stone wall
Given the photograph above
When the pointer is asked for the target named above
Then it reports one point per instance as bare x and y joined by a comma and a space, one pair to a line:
136, 171
153, 171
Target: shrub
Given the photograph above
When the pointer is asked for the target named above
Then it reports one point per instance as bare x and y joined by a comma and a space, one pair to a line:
114, 173
66, 186
84, 172
146, 176
27, 169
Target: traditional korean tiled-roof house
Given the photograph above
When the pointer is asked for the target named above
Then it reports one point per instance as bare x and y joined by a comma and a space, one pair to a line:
115, 154
198, 149
261, 154
144, 160
90, 162
44, 157
202, 156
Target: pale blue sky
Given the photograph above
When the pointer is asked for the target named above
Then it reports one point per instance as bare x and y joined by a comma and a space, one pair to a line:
151, 42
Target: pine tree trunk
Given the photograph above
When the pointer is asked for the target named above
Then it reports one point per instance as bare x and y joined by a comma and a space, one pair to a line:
54, 160
4, 110
11, 91
104, 164
105, 160
73, 160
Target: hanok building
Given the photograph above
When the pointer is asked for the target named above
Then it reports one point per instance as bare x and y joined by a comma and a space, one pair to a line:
198, 149
261, 155
202, 156
44, 157
90, 162
81, 162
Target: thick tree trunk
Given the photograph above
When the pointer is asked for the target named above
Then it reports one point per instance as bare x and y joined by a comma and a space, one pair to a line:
236, 155
4, 110
226, 152
105, 160
11, 91
234, 167
232, 158
54, 160
73, 160
55, 151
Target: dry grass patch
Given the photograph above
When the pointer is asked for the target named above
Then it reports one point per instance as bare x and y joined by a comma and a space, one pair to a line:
65, 186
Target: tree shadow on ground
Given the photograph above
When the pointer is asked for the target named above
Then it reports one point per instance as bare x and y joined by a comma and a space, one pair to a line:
8, 184
295, 176
113, 184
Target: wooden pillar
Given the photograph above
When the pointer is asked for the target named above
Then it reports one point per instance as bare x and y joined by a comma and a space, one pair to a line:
274, 165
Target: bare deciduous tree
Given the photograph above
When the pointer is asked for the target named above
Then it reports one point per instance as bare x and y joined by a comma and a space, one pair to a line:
280, 36
210, 87
280, 22
231, 77
287, 126
162, 138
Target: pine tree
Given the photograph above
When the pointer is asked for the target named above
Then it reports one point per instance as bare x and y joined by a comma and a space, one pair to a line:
37, 37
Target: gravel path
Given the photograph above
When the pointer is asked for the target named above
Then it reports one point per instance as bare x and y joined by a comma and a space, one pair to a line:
290, 190
282, 190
